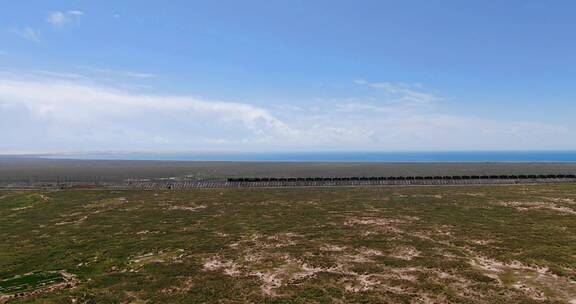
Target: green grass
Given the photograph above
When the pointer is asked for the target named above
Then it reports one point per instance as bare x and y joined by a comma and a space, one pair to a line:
365, 245
29, 282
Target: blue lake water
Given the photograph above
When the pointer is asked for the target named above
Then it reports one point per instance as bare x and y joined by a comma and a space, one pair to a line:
500, 156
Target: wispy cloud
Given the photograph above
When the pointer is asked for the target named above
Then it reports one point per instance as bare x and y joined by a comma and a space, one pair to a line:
60, 19
117, 73
58, 74
58, 111
71, 113
28, 33
363, 106
57, 19
411, 94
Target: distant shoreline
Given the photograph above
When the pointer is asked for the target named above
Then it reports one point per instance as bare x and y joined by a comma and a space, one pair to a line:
335, 157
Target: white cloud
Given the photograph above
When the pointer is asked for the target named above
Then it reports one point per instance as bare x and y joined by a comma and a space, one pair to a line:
57, 18
28, 33
72, 113
61, 19
60, 112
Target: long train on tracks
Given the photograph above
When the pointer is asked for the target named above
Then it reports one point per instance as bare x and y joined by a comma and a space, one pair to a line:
291, 182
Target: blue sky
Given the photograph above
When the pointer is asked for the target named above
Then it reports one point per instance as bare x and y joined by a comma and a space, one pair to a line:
287, 75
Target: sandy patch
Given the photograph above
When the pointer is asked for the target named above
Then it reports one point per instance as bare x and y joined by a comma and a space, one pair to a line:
332, 248
147, 232
107, 203
289, 271
184, 287
361, 283
537, 283
427, 299
569, 201
528, 206
160, 256
228, 267
369, 252
21, 208
406, 253
438, 196
257, 257
409, 274
188, 208
258, 241
475, 194
482, 242
76, 222
379, 224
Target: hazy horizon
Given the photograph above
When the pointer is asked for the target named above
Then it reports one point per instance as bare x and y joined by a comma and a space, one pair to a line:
318, 156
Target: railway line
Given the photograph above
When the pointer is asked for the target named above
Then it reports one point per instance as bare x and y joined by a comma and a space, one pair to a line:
294, 182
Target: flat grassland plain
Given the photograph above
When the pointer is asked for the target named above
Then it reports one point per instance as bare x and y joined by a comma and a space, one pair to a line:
441, 244
50, 170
